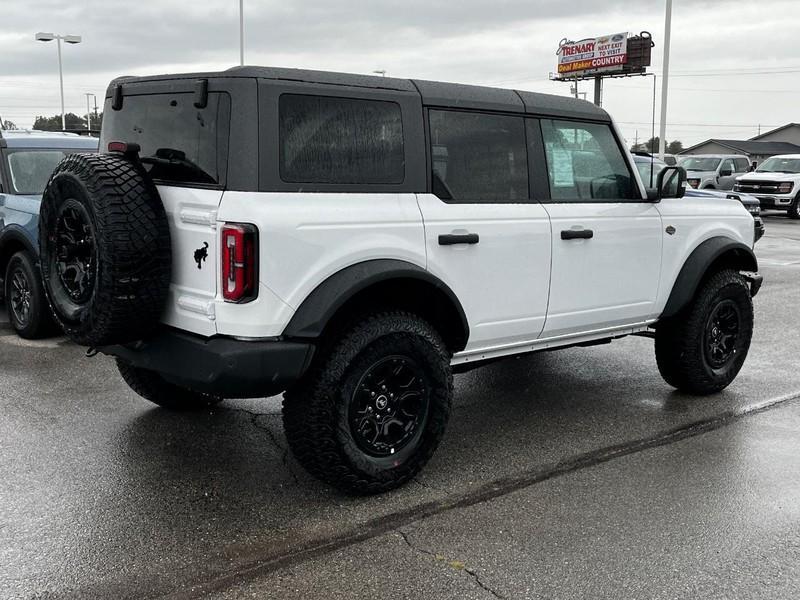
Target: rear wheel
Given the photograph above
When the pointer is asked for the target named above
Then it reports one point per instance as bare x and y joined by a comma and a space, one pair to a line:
28, 310
373, 409
702, 350
151, 386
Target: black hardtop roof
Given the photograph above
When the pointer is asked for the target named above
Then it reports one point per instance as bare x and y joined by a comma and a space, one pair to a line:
433, 93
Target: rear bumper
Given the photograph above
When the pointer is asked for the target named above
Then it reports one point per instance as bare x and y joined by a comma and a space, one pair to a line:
223, 366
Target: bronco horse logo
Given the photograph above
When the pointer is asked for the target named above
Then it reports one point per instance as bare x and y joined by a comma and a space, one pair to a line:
200, 255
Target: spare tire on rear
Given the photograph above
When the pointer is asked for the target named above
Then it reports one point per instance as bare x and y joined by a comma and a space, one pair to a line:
105, 249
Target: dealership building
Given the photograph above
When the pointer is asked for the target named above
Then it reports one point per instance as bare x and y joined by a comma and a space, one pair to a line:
783, 140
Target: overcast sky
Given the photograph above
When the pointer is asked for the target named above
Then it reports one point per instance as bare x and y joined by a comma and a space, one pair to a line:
735, 64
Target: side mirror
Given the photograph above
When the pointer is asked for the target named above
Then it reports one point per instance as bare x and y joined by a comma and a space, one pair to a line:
671, 183
725, 173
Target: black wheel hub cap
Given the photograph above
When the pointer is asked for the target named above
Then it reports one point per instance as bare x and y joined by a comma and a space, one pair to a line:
21, 297
75, 251
388, 406
722, 333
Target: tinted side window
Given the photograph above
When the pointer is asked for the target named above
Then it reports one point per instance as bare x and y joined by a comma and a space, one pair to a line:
340, 140
584, 162
727, 165
742, 165
478, 158
179, 142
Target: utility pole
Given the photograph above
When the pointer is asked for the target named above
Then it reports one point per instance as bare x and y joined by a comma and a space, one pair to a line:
662, 142
241, 33
88, 112
598, 90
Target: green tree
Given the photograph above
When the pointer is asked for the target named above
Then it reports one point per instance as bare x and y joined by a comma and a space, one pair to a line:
675, 147
73, 122
7, 125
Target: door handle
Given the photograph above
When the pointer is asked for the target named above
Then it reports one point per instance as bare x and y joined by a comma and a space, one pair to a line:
577, 234
450, 239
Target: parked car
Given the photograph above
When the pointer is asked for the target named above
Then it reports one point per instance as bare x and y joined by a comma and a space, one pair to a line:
649, 167
714, 171
27, 158
776, 184
368, 238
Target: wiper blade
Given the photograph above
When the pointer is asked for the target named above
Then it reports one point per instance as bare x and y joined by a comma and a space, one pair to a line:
173, 165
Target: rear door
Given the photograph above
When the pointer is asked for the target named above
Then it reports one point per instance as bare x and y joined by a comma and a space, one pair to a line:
485, 237
184, 149
606, 240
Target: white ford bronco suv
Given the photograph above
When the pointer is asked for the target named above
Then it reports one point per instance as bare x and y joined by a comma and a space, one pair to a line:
352, 241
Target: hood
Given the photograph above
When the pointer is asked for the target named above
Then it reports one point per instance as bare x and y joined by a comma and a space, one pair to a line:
761, 176
700, 174
745, 199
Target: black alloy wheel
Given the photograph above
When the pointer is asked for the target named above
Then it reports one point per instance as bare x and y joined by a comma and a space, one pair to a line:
722, 333
20, 298
389, 406
75, 252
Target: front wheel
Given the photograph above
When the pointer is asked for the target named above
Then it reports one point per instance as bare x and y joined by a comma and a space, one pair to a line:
794, 209
28, 310
702, 350
374, 407
153, 387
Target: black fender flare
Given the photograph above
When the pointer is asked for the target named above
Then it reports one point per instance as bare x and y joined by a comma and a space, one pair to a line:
697, 265
14, 235
328, 297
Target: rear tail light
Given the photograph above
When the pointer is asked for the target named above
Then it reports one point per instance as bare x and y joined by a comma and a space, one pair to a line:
239, 262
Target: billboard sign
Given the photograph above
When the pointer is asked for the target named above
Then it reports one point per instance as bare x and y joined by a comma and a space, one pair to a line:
606, 54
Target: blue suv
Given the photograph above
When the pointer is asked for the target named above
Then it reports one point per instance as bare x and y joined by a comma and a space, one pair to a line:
27, 158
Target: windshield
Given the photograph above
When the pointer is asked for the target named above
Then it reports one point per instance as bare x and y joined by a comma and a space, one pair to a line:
776, 164
699, 163
179, 142
649, 176
30, 169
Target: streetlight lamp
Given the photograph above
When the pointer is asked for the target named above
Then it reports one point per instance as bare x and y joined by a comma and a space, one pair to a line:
69, 39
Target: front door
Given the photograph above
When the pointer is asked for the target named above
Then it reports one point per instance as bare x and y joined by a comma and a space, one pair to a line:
485, 237
606, 240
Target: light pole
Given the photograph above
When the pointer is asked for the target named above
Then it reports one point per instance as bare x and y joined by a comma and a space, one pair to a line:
69, 39
662, 142
241, 33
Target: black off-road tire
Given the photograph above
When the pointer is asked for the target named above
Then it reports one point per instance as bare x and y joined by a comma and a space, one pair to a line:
22, 271
680, 341
151, 386
126, 243
316, 412
794, 209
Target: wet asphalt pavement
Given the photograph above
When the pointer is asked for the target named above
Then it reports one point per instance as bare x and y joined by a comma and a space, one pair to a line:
569, 474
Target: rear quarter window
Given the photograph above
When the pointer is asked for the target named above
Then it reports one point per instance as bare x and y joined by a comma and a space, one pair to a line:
340, 140
179, 142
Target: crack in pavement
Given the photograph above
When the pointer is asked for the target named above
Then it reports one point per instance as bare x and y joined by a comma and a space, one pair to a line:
254, 420
262, 562
454, 564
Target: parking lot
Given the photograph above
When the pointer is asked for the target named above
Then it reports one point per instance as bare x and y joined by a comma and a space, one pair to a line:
570, 474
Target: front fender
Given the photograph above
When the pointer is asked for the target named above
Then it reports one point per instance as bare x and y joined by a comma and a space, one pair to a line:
702, 259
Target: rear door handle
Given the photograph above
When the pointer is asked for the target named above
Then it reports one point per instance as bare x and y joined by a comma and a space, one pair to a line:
577, 234
450, 239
